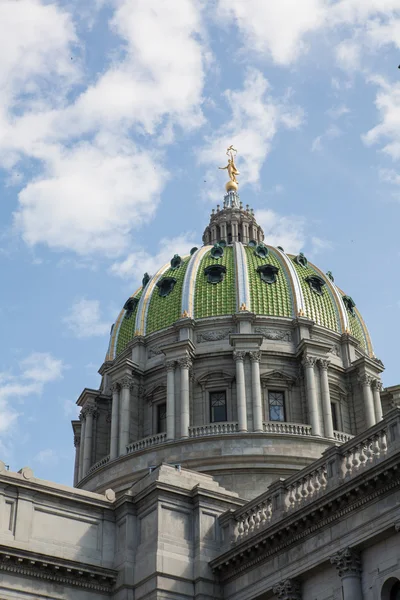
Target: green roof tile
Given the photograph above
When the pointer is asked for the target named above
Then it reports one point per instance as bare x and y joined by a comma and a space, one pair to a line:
127, 328
212, 300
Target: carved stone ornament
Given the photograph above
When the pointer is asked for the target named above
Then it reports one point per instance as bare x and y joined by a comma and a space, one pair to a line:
347, 562
239, 355
89, 409
378, 385
114, 387
288, 590
335, 350
255, 356
213, 336
308, 362
324, 363
126, 382
77, 440
274, 334
154, 351
365, 380
170, 365
185, 363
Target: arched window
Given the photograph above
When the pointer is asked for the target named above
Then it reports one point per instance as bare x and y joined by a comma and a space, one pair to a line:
395, 591
391, 589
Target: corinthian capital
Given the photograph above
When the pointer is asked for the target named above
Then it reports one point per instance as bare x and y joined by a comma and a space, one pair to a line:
126, 382
89, 409
347, 562
377, 385
239, 355
114, 387
170, 365
288, 590
77, 440
324, 363
308, 362
185, 363
255, 356
365, 380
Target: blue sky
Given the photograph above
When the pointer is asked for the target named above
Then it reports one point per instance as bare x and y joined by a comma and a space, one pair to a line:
114, 116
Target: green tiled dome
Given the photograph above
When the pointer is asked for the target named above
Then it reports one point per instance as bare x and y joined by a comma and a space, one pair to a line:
267, 282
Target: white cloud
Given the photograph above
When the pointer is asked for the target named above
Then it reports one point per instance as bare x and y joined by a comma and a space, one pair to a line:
88, 195
288, 232
388, 129
139, 262
337, 111
70, 409
46, 457
331, 133
84, 319
253, 123
36, 370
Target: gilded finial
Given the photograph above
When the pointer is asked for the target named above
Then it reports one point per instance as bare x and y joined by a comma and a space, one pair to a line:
233, 183
185, 314
243, 306
301, 313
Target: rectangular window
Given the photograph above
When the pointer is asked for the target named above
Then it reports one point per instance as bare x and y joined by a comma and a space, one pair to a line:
335, 420
218, 406
276, 406
161, 417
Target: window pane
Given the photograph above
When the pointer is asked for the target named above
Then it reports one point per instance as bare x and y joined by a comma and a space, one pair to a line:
276, 406
217, 406
334, 416
161, 418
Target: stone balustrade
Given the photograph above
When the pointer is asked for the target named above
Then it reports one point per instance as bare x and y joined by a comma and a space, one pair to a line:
213, 429
99, 464
147, 442
337, 465
286, 428
342, 437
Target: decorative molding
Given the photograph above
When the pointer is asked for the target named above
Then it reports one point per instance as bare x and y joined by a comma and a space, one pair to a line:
89, 409
126, 382
288, 590
377, 385
185, 363
154, 351
62, 572
255, 356
213, 336
274, 334
335, 350
77, 440
347, 562
114, 387
365, 380
239, 355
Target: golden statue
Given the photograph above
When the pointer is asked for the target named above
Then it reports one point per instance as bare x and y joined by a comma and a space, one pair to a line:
231, 168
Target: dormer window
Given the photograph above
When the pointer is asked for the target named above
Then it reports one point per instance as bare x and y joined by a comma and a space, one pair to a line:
145, 280
130, 306
316, 284
215, 273
261, 251
176, 262
349, 304
268, 273
217, 251
165, 286
301, 260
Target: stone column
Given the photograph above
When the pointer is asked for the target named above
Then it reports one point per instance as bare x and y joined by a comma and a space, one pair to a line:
114, 421
312, 400
288, 589
326, 398
170, 365
238, 357
124, 413
224, 235
365, 382
77, 444
81, 448
348, 564
185, 364
89, 412
376, 392
255, 358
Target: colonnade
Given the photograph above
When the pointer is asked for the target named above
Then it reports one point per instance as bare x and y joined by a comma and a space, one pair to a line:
348, 565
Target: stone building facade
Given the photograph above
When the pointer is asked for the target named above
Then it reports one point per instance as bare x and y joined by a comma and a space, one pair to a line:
240, 445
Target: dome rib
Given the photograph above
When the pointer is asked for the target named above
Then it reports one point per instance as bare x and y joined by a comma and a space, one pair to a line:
189, 282
243, 296
141, 315
299, 303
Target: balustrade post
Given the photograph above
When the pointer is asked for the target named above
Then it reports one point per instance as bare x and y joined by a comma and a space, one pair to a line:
255, 358
124, 413
348, 565
82, 444
326, 398
376, 392
114, 421
89, 412
312, 400
238, 357
365, 382
170, 366
185, 364
289, 589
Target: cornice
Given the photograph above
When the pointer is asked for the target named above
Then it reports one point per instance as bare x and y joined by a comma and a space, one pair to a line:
293, 528
59, 571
